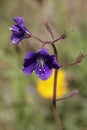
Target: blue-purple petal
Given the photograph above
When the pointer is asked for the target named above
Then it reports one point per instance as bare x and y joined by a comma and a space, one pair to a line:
43, 73
15, 29
19, 20
29, 55
43, 51
15, 39
20, 23
28, 70
55, 63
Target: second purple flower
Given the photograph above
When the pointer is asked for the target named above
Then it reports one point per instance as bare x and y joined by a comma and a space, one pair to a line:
19, 31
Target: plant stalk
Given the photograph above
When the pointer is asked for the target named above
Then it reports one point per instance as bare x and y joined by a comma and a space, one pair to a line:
56, 115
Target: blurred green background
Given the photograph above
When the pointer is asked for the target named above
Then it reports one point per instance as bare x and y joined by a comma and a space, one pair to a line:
21, 107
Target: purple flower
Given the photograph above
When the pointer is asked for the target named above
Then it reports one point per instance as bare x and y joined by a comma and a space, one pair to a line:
40, 62
19, 31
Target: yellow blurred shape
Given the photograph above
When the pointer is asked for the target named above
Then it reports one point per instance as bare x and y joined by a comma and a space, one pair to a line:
45, 87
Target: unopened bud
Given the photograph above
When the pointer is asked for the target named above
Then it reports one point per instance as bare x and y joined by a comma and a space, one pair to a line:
79, 58
48, 27
74, 92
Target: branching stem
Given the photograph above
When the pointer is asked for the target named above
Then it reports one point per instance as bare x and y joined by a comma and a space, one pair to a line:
63, 36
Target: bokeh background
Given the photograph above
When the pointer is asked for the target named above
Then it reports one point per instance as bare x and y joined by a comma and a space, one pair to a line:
21, 106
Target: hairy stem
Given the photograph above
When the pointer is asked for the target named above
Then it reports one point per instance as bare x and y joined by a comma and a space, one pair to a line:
63, 36
36, 38
56, 115
73, 93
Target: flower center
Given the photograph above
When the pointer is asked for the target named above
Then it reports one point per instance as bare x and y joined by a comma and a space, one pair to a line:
40, 67
40, 62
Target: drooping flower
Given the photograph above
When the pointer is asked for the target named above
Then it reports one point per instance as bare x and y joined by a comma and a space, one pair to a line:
45, 88
41, 62
19, 31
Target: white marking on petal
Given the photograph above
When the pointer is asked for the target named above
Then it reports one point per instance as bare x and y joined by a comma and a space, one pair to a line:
10, 29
